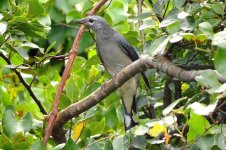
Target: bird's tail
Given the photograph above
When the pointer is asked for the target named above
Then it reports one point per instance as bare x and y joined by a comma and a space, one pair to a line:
129, 119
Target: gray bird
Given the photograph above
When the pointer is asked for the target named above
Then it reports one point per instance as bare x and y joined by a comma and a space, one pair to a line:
115, 54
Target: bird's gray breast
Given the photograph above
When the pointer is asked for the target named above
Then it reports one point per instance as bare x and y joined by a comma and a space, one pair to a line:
112, 56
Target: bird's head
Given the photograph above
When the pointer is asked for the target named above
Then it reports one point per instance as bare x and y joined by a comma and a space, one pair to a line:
94, 22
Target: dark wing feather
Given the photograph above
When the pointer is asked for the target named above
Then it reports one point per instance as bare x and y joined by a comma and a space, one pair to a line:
130, 51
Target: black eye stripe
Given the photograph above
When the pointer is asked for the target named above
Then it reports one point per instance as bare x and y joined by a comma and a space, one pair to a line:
91, 20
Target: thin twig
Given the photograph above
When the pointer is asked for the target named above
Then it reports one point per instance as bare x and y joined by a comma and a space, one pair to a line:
140, 22
25, 85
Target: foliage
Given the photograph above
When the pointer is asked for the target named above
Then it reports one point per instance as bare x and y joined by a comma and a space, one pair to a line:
33, 32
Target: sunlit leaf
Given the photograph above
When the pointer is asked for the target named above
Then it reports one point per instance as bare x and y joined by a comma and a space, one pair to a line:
157, 129
197, 125
220, 61
202, 109
207, 29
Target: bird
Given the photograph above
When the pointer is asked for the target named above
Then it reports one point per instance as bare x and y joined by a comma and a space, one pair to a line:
116, 53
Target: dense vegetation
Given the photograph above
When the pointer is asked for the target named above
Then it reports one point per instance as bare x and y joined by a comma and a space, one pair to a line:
36, 37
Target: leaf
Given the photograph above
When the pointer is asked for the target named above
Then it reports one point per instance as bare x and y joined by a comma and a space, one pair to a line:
108, 145
142, 16
208, 78
220, 61
158, 6
38, 145
156, 130
77, 131
178, 4
97, 127
3, 27
35, 8
219, 39
118, 143
72, 15
176, 37
9, 123
187, 24
111, 118
206, 142
197, 125
94, 60
207, 29
159, 45
26, 122
70, 145
72, 90
182, 15
169, 108
218, 8
170, 19
139, 142
202, 109
50, 47
141, 130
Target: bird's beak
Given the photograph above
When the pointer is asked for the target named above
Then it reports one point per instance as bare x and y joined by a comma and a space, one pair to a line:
81, 21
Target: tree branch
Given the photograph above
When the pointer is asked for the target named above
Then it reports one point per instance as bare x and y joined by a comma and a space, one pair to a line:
145, 62
65, 75
25, 85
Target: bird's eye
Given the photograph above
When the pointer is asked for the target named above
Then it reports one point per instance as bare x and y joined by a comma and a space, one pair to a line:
91, 20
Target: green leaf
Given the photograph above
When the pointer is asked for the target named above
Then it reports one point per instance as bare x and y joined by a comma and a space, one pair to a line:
72, 90
118, 143
218, 8
220, 140
2, 39
207, 29
72, 15
187, 24
50, 47
178, 4
176, 37
209, 79
4, 4
94, 60
9, 123
111, 118
38, 145
142, 16
139, 142
206, 142
108, 145
158, 6
219, 39
22, 53
197, 125
97, 127
159, 45
70, 145
170, 19
4, 96
141, 130
169, 108
35, 8
220, 61
26, 122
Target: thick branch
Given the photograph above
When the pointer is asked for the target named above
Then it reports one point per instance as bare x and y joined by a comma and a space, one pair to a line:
145, 62
65, 75
25, 85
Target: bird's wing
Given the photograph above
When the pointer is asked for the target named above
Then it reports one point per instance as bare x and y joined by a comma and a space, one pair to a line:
126, 47
130, 51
